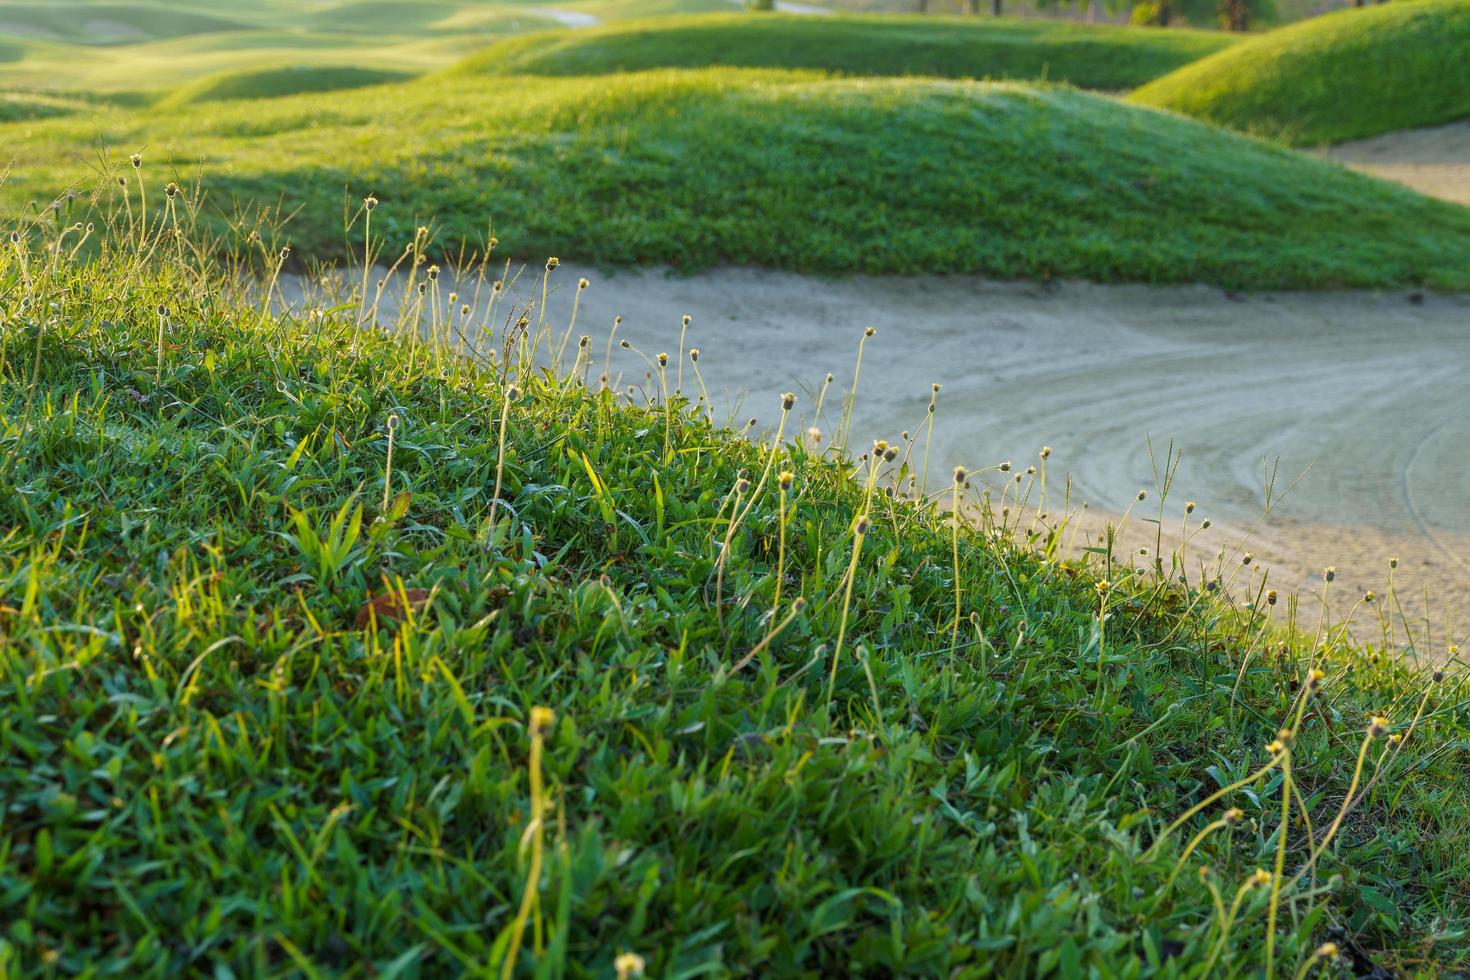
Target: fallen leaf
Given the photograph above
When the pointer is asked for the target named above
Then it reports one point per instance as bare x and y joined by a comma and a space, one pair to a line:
389, 606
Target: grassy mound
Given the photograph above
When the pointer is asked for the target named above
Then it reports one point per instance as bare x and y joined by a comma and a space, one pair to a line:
273, 83
698, 168
328, 652
110, 23
1088, 56
1343, 76
19, 106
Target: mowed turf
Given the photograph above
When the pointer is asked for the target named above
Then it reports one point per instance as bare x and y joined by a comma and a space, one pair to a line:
269, 83
698, 168
596, 686
1342, 76
1088, 56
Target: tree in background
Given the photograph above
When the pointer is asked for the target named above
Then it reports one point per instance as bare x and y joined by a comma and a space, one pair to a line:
1232, 15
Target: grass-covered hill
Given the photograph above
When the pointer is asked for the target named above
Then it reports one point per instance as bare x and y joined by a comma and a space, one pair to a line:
1346, 75
1085, 55
327, 651
110, 23
270, 83
701, 167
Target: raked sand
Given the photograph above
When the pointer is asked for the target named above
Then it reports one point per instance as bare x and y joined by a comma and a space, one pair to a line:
1433, 161
1359, 401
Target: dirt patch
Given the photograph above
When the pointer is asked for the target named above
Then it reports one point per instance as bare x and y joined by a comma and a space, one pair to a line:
1432, 161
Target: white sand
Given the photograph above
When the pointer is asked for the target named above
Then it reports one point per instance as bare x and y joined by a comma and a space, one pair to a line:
1432, 161
1365, 393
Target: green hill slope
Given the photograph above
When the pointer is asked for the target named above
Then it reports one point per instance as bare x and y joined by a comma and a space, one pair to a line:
558, 697
1088, 56
1343, 76
698, 168
273, 83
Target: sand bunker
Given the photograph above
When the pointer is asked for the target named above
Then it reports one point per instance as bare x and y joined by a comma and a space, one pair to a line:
1363, 393
1431, 161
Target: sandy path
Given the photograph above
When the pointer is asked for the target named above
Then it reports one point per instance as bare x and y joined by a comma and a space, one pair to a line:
1367, 394
1432, 161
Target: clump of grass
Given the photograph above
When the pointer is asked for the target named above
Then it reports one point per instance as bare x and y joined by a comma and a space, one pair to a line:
225, 750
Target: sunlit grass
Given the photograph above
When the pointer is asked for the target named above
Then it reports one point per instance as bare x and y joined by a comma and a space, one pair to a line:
273, 705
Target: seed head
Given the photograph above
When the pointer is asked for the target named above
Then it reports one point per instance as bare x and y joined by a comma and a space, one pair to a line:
1260, 879
369, 202
433, 273
162, 310
1142, 494
1370, 596
814, 434
122, 181
694, 354
552, 263
880, 446
171, 190
541, 719
798, 604
15, 238
137, 161
584, 342
1030, 471
686, 319
959, 474
392, 423
1437, 676
1045, 452
1189, 506
1233, 816
862, 525
1393, 563
869, 332
784, 479
742, 485
1330, 573
663, 359
1103, 587
1270, 597
1315, 677
497, 286
1377, 725
1248, 558
1206, 524
464, 309
628, 966
788, 401
1005, 467
829, 377
583, 283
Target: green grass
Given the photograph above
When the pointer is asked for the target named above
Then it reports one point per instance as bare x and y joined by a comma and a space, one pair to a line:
698, 168
1088, 56
107, 23
207, 768
1344, 76
272, 83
